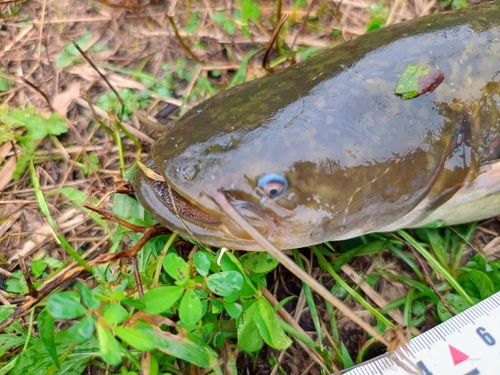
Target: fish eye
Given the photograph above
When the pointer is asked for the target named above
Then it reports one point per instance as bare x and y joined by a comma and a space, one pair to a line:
273, 185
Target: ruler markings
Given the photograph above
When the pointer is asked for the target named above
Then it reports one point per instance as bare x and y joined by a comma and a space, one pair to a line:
492, 304
418, 345
476, 314
382, 365
435, 339
441, 335
466, 344
429, 338
460, 322
470, 316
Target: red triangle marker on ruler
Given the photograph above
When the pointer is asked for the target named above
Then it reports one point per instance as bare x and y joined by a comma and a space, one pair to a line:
457, 355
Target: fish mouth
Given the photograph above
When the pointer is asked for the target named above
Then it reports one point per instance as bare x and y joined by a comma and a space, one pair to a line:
186, 210
182, 207
177, 204
178, 213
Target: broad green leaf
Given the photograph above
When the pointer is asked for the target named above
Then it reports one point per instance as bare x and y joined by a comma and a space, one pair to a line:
92, 165
134, 303
480, 280
202, 262
16, 283
110, 348
37, 361
456, 302
225, 283
216, 306
258, 262
4, 85
37, 267
136, 338
114, 313
407, 85
39, 127
12, 340
82, 330
160, 299
229, 262
190, 309
176, 267
262, 313
14, 335
46, 328
186, 346
87, 296
249, 337
65, 305
53, 262
233, 309
130, 209
250, 10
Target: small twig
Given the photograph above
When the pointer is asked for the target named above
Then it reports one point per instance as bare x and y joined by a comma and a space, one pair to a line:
181, 41
306, 18
31, 288
4, 301
109, 216
137, 276
3, 272
40, 36
134, 250
99, 72
38, 90
274, 37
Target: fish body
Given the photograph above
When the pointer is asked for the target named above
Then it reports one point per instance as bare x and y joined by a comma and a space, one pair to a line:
324, 150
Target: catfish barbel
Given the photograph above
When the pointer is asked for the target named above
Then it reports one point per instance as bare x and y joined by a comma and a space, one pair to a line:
324, 150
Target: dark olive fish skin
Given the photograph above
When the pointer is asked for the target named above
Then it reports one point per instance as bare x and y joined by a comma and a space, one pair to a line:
356, 157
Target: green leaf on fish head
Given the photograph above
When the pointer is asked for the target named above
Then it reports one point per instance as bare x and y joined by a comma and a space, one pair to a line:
417, 80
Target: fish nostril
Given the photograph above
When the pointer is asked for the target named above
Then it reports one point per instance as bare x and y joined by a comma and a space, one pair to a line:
189, 172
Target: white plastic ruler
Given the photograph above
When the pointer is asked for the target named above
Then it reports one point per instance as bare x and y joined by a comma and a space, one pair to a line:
467, 344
